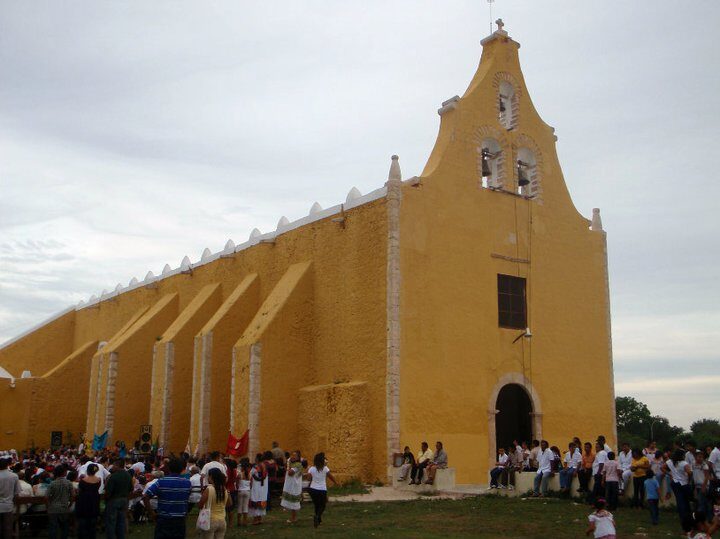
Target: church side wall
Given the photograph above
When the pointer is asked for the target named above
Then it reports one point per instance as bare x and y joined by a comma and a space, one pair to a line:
346, 337
31, 352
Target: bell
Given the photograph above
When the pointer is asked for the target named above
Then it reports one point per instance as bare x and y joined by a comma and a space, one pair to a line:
501, 104
522, 175
486, 171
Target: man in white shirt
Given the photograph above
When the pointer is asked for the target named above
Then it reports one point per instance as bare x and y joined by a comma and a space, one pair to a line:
690, 449
500, 465
597, 468
571, 462
424, 457
534, 452
138, 468
625, 462
605, 446
714, 460
544, 471
215, 462
195, 486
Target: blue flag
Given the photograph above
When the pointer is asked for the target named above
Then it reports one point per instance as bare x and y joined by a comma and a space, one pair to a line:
99, 442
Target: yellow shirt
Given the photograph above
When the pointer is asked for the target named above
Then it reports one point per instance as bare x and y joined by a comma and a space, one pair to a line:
641, 466
217, 508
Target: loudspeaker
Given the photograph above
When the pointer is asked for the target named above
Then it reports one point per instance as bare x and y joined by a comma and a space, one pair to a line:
56, 439
145, 438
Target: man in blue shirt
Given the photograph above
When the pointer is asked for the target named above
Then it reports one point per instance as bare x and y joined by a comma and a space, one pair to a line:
172, 492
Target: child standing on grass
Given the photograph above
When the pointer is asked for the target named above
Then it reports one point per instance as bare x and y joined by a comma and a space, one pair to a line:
652, 495
602, 524
611, 477
243, 502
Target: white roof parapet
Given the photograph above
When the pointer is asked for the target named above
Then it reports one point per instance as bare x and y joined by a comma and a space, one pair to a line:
80, 303
104, 294
596, 221
354, 199
282, 223
118, 288
352, 195
395, 173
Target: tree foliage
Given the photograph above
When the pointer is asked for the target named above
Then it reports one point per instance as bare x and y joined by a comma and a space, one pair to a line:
636, 425
706, 432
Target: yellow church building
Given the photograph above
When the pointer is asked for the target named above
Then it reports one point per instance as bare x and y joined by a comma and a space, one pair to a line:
467, 305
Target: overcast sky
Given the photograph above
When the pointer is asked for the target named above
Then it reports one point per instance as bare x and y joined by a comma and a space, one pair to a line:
133, 133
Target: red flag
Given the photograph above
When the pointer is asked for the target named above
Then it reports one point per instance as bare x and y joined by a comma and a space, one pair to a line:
238, 447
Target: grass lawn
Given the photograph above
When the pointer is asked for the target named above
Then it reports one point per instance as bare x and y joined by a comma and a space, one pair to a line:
484, 516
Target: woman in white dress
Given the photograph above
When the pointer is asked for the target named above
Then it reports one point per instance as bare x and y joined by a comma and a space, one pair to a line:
258, 491
292, 489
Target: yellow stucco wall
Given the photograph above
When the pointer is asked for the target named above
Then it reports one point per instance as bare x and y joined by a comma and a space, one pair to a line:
15, 412
59, 398
328, 420
31, 352
98, 378
283, 328
171, 387
126, 402
454, 234
213, 359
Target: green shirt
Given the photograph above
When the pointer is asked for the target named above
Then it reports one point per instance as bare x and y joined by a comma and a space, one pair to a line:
118, 485
59, 493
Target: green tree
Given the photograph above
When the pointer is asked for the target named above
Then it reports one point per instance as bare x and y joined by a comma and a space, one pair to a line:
631, 414
636, 425
705, 431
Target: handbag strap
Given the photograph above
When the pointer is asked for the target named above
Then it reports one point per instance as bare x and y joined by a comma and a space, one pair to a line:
209, 502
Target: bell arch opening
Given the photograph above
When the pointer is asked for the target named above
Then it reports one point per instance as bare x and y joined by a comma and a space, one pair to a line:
513, 419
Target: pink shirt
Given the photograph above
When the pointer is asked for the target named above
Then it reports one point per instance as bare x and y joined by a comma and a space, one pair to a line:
611, 470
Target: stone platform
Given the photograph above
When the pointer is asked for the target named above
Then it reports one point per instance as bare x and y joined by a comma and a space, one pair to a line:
444, 481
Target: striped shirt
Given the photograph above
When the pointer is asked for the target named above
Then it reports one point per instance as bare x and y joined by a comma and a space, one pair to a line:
172, 493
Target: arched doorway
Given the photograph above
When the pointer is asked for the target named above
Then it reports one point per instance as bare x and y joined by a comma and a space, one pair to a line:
513, 419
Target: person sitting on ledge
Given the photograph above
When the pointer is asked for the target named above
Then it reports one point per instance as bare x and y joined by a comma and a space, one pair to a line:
534, 453
424, 458
497, 471
408, 463
440, 461
544, 471
571, 464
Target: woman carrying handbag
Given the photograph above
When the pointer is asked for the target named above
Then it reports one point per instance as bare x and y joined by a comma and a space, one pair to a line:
211, 521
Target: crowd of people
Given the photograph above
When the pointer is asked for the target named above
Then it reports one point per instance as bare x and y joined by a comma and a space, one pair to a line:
684, 471
426, 461
68, 490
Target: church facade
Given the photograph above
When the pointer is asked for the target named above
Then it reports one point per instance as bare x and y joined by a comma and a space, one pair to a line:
468, 305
